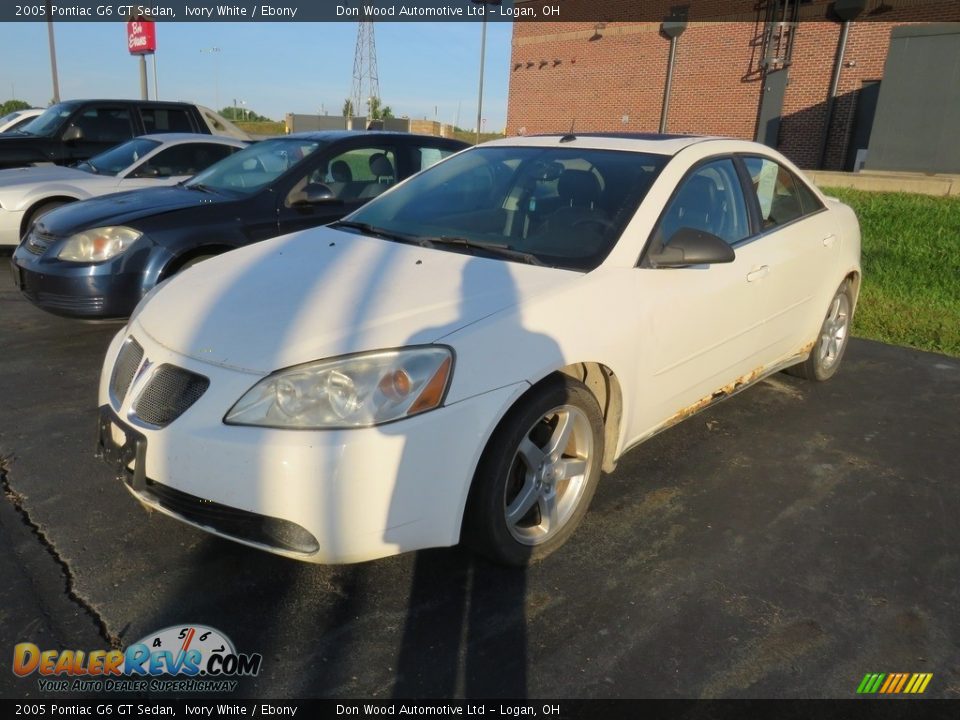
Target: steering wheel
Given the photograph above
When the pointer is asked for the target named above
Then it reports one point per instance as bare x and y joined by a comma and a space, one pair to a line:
599, 222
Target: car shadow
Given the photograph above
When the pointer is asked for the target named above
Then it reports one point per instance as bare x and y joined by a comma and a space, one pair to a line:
465, 633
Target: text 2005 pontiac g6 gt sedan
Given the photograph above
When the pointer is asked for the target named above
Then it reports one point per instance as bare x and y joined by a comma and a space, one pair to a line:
461, 358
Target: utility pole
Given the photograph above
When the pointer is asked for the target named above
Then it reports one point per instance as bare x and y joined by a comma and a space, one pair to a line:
144, 91
156, 83
53, 54
483, 51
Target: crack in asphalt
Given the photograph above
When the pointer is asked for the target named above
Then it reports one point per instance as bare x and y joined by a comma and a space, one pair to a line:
16, 500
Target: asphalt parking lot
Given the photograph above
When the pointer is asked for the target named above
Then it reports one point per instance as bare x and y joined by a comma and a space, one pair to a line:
781, 544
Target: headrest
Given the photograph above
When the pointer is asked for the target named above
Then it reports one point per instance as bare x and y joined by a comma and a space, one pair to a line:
579, 186
380, 166
699, 190
340, 172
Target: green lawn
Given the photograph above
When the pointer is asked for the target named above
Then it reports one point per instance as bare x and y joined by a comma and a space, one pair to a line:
911, 268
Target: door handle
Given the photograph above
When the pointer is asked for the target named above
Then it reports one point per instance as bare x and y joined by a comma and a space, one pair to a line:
760, 272
829, 240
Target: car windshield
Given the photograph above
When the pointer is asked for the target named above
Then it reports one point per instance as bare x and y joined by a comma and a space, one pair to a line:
254, 167
10, 116
118, 159
49, 121
557, 206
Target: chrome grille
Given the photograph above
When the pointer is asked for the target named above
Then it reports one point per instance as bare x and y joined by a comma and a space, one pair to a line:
37, 242
168, 394
128, 360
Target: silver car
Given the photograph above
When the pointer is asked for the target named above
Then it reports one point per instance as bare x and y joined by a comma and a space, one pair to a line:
147, 161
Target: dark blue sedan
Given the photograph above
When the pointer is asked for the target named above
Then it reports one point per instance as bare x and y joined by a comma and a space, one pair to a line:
97, 258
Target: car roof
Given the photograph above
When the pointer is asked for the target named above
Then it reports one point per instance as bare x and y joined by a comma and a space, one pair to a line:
171, 138
653, 143
344, 134
125, 101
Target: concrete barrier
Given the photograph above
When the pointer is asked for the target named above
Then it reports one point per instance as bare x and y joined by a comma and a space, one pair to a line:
880, 181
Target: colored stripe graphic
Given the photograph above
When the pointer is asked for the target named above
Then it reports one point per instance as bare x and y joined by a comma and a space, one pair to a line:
891, 680
894, 683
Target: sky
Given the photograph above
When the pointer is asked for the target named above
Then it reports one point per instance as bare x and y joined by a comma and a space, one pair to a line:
426, 70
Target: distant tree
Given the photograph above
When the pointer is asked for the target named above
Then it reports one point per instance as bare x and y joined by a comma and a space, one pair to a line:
378, 111
11, 105
238, 113
348, 108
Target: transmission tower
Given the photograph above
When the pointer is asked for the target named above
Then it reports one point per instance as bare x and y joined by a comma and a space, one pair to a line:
365, 82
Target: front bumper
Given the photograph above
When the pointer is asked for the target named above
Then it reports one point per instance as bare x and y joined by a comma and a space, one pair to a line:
357, 494
96, 291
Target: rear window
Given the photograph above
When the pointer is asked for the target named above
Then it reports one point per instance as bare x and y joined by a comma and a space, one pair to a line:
161, 120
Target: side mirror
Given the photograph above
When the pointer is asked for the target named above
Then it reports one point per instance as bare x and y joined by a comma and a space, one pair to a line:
316, 194
692, 247
73, 134
146, 171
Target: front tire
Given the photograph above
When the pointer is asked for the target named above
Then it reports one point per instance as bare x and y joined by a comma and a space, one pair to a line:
832, 340
537, 475
40, 210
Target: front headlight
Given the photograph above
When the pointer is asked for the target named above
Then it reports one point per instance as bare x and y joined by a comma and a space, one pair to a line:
98, 244
349, 392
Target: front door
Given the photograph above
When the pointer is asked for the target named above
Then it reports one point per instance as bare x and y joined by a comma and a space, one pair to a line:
702, 326
102, 127
349, 177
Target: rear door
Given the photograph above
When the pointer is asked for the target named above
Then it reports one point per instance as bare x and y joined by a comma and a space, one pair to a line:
167, 119
796, 249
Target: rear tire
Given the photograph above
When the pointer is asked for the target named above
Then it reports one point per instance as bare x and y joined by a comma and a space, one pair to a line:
537, 475
832, 340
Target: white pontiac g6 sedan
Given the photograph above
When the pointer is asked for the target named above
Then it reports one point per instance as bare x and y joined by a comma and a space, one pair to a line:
461, 358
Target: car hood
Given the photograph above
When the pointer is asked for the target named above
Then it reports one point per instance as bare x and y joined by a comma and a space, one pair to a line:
16, 177
123, 208
322, 293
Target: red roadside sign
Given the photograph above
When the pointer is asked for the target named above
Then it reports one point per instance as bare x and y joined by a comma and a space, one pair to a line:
141, 38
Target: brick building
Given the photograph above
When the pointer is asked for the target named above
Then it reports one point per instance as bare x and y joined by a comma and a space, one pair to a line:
608, 75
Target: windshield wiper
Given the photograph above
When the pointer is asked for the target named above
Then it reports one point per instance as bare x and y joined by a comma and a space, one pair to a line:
201, 187
90, 165
379, 232
495, 249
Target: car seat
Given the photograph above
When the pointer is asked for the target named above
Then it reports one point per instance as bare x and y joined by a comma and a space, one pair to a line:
697, 206
383, 172
576, 228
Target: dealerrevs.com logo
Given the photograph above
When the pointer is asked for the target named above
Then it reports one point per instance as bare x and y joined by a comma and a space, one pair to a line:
180, 658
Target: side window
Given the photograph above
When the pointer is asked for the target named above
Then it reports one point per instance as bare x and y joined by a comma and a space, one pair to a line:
105, 124
353, 176
161, 120
184, 160
424, 157
710, 199
781, 196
